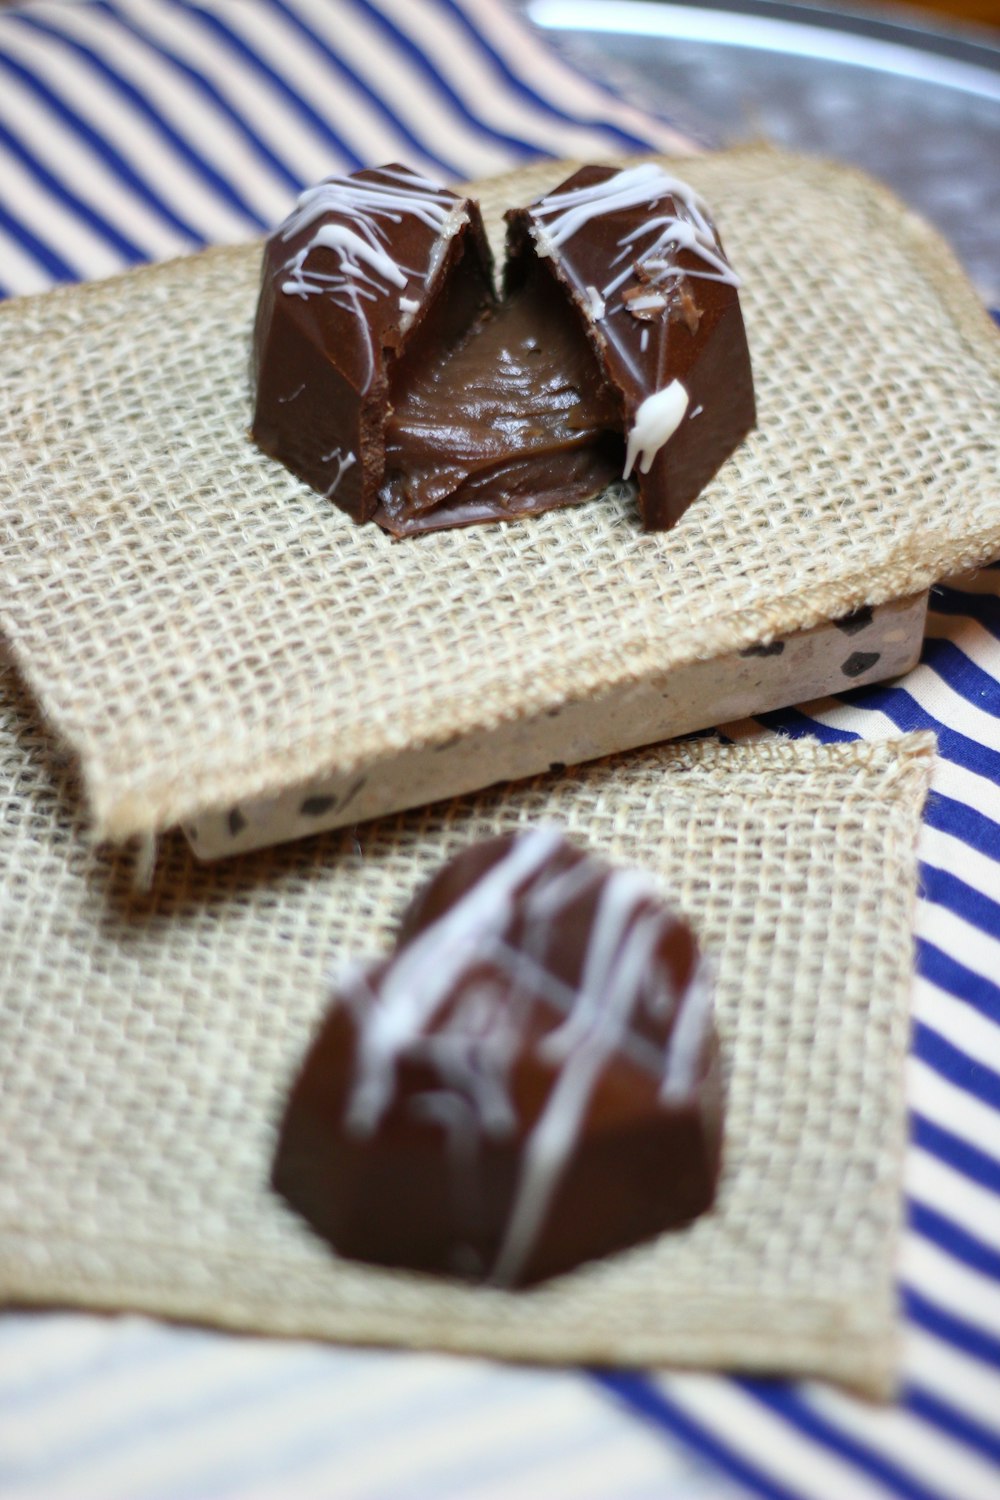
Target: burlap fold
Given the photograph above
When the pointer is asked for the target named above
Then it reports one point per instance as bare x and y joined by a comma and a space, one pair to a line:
202, 629
146, 1043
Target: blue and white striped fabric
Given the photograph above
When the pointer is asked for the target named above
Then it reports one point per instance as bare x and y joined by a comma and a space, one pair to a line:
133, 130
138, 129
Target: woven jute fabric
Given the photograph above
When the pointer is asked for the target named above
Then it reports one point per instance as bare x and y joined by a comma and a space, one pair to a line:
202, 629
147, 1041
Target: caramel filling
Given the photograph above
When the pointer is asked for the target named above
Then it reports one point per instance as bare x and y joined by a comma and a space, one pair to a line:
510, 421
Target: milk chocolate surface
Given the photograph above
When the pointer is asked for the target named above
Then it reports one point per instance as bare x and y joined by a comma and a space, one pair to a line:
391, 380
530, 1080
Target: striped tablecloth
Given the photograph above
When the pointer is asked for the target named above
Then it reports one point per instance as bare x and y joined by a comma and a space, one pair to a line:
138, 129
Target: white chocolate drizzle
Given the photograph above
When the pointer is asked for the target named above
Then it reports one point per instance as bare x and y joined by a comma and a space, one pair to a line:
645, 283
596, 304
651, 248
656, 420
471, 1048
343, 461
351, 218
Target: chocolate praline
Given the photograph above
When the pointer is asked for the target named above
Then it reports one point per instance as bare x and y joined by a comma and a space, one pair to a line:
529, 1081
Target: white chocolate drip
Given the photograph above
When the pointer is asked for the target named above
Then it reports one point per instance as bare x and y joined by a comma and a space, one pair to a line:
596, 304
344, 461
354, 214
471, 1049
657, 419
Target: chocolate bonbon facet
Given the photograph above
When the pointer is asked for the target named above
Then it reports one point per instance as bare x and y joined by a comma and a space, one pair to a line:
637, 252
529, 1081
390, 378
367, 274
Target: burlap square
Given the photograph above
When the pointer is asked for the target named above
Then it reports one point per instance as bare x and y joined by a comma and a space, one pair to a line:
202, 629
147, 1040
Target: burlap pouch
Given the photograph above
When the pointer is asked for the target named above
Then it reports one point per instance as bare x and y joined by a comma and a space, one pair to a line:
146, 1043
202, 629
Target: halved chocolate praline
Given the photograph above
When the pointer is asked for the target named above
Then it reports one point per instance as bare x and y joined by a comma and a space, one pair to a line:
390, 378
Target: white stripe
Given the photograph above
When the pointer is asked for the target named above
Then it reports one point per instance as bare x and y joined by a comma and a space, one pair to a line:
771, 1444
537, 1411
955, 1377
971, 1207
373, 138
291, 139
207, 129
933, 1458
473, 77
75, 163
936, 697
428, 113
971, 638
949, 1284
345, 1409
35, 1348
949, 853
945, 1104
532, 59
976, 791
19, 271
959, 1023
80, 1413
974, 949
55, 224
110, 114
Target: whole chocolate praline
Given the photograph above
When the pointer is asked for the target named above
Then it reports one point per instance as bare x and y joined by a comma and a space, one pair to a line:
481, 1105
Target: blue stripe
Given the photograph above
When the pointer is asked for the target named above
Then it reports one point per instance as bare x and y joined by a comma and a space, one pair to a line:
786, 1403
906, 713
966, 1072
963, 822
955, 1423
523, 91
439, 84
143, 107
451, 165
36, 248
797, 725
102, 148
948, 891
347, 158
951, 1330
957, 1153
202, 82
646, 1400
984, 608
948, 974
956, 1242
61, 193
963, 675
